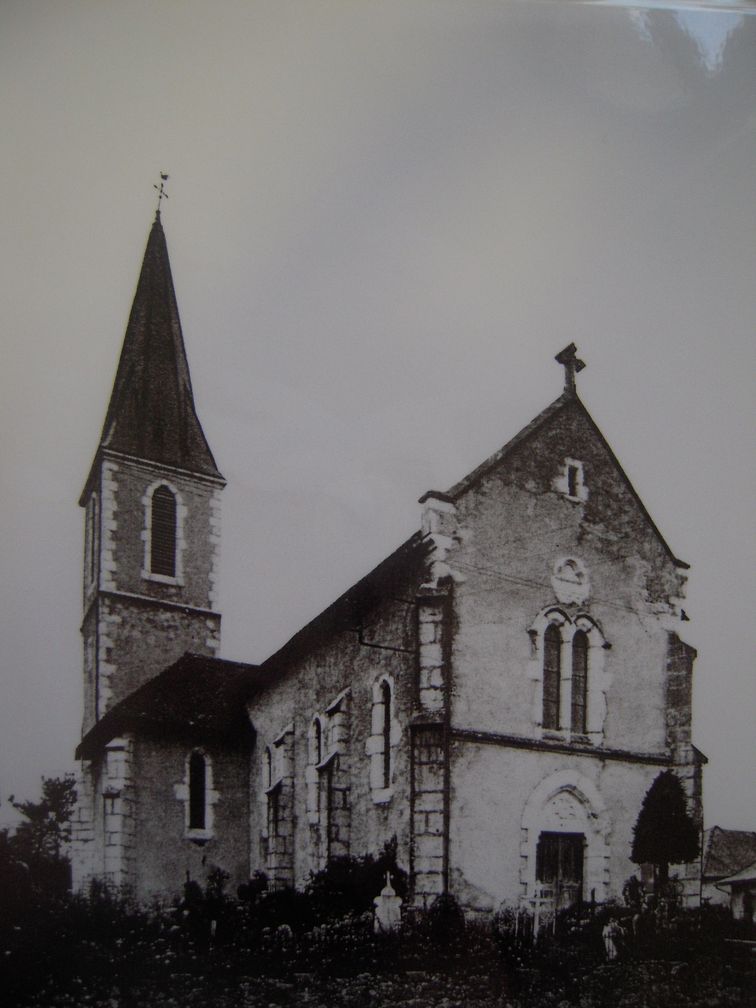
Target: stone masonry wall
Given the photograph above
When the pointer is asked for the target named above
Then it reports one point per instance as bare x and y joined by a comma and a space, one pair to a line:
137, 640
380, 644
134, 626
519, 529
428, 811
491, 852
532, 553
166, 853
124, 520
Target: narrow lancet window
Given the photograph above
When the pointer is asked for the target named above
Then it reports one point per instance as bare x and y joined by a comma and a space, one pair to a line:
572, 480
386, 699
552, 646
197, 790
579, 681
163, 533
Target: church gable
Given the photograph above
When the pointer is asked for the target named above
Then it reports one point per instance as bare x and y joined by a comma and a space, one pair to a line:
552, 549
563, 458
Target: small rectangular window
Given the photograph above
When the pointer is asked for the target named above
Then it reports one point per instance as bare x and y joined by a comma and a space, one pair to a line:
572, 480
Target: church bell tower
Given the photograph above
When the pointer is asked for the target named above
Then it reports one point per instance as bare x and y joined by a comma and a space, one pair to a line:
152, 506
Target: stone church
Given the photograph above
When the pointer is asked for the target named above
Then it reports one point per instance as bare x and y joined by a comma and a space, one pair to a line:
498, 694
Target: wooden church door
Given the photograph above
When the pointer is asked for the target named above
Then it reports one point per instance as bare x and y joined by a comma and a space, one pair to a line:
559, 866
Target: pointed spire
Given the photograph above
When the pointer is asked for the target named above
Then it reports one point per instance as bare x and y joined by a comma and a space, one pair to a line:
151, 414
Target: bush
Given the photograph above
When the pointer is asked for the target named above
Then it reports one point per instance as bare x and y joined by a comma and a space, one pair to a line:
348, 885
99, 951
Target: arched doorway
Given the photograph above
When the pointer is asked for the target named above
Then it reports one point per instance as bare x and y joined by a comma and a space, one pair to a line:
564, 842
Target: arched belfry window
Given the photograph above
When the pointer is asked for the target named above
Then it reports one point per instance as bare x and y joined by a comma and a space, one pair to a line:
579, 682
552, 668
197, 791
163, 532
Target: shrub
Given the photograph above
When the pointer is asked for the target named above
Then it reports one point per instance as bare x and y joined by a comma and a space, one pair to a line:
348, 885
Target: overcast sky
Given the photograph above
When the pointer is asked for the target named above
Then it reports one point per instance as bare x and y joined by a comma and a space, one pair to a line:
384, 219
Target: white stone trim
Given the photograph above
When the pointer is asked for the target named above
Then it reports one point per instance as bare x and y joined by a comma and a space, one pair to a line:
162, 467
375, 743
315, 754
91, 546
266, 779
334, 731
82, 829
571, 581
106, 671
181, 792
562, 481
282, 756
108, 525
215, 505
587, 814
119, 825
599, 679
181, 511
335, 704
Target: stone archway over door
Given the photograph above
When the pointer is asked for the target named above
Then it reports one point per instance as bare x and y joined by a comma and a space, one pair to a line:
564, 813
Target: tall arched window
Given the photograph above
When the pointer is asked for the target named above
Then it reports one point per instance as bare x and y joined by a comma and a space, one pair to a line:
317, 742
163, 532
386, 699
579, 681
552, 668
197, 791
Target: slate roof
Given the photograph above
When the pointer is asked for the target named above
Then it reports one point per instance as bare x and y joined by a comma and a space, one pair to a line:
747, 874
198, 697
151, 414
727, 851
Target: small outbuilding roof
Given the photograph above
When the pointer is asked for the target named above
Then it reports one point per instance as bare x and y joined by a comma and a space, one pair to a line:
747, 874
727, 851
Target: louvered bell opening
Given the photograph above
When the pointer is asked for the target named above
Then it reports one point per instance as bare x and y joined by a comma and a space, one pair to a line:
163, 537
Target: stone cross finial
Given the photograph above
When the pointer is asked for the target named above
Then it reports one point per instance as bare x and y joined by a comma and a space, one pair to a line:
571, 364
162, 194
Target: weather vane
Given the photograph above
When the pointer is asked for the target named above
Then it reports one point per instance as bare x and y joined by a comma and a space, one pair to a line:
162, 194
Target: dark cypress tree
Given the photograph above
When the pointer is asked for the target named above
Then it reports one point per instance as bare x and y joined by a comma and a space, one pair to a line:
665, 832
